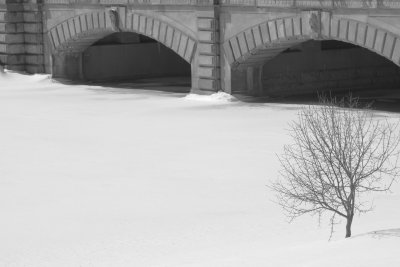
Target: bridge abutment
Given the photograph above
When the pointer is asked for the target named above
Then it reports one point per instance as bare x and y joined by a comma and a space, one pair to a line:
21, 35
206, 65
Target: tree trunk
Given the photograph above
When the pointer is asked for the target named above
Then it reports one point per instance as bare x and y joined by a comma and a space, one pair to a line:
348, 225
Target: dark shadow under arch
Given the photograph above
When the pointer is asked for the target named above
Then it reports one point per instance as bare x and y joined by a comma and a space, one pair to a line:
262, 42
130, 57
80, 51
335, 66
260, 57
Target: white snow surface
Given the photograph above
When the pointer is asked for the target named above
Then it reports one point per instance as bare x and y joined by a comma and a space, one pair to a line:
216, 97
100, 176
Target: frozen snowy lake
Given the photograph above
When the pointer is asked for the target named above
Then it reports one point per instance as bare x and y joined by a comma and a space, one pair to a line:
97, 176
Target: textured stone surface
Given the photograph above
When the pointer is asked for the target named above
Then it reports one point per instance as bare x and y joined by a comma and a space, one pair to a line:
237, 36
21, 38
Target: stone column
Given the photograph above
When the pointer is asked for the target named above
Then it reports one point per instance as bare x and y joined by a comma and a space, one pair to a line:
205, 65
21, 40
12, 50
33, 36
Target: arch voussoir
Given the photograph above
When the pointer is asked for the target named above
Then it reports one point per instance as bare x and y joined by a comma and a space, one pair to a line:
371, 37
79, 32
163, 32
263, 41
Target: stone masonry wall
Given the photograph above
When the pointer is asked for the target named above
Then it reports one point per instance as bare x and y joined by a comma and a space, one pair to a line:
21, 40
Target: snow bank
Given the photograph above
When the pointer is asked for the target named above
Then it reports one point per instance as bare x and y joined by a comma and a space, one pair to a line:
216, 97
17, 77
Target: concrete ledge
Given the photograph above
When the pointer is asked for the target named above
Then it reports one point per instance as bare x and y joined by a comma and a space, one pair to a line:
202, 91
16, 67
205, 60
32, 17
208, 84
34, 59
34, 68
15, 60
208, 49
11, 16
210, 24
11, 27
208, 72
34, 48
33, 27
33, 38
12, 38
12, 49
208, 36
14, 7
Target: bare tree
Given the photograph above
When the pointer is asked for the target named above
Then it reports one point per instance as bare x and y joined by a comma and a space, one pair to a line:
340, 153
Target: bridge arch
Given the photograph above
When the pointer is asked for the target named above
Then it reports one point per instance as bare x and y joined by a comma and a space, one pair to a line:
260, 43
248, 51
77, 33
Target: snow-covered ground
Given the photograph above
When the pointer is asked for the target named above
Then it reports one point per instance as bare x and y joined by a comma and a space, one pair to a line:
97, 176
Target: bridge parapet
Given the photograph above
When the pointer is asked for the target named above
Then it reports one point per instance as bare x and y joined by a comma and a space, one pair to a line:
321, 4
134, 2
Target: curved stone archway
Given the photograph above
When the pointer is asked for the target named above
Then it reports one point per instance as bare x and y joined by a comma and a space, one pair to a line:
75, 34
258, 44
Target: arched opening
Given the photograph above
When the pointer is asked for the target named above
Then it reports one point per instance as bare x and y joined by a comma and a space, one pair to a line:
319, 66
125, 59
131, 57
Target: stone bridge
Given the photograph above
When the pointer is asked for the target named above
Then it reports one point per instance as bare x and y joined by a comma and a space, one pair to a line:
227, 42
